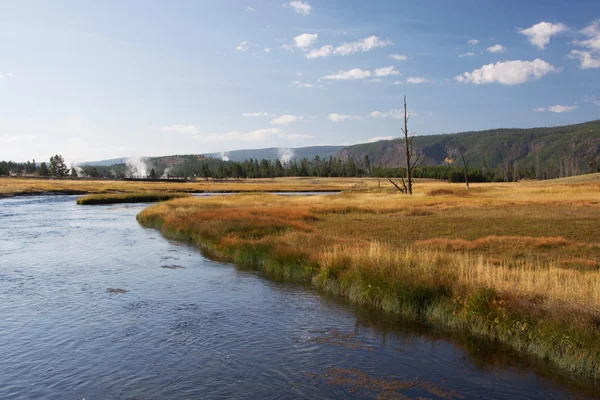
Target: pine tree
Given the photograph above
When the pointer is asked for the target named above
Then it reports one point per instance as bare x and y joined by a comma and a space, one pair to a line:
43, 170
58, 168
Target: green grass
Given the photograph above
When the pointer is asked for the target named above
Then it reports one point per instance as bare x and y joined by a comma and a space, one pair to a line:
115, 198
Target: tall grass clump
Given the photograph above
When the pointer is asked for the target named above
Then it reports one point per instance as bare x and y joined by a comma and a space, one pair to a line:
140, 197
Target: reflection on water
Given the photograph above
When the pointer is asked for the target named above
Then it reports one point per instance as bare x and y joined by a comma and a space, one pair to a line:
91, 308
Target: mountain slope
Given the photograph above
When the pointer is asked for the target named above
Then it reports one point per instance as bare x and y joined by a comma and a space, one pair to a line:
100, 163
570, 146
274, 153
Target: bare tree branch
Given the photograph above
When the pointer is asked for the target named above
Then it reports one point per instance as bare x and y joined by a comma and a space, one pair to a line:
396, 185
408, 143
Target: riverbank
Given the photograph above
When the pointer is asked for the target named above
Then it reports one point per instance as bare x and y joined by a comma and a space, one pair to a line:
29, 187
139, 197
516, 263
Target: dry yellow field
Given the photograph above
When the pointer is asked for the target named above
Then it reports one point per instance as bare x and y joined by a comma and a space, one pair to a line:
515, 262
19, 186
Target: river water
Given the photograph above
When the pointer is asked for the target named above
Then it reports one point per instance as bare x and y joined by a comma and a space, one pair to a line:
208, 330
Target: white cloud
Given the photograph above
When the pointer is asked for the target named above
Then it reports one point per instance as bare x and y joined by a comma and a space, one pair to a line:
285, 119
539, 34
379, 138
260, 134
342, 118
288, 47
6, 75
366, 44
468, 54
395, 114
302, 84
183, 129
295, 136
256, 114
243, 47
398, 57
305, 40
357, 73
557, 109
253, 136
386, 71
9, 139
508, 72
417, 79
397, 83
250, 9
473, 42
300, 7
267, 49
324, 51
592, 99
497, 48
375, 80
352, 74
587, 59
593, 32
561, 109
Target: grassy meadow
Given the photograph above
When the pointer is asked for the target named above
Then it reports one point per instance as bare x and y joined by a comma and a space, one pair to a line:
516, 262
26, 186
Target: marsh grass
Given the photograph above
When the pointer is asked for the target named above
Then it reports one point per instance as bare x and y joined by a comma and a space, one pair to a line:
516, 263
140, 197
22, 186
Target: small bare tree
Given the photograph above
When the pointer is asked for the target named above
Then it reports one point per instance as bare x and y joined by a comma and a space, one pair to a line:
413, 159
464, 162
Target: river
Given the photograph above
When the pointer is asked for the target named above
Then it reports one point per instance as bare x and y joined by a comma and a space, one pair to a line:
209, 330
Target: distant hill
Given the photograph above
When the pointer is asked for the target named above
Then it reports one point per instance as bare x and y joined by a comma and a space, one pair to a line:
271, 153
274, 153
103, 163
570, 148
573, 146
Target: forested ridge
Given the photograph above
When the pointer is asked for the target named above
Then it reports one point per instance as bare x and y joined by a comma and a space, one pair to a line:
492, 155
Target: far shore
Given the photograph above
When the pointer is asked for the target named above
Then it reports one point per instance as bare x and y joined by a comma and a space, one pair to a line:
17, 186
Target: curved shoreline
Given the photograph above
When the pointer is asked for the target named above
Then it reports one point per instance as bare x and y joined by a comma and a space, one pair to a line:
481, 311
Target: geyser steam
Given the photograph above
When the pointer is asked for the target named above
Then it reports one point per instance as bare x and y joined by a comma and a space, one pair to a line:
136, 167
285, 155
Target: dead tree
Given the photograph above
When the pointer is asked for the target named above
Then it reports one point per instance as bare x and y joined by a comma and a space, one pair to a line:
464, 162
413, 159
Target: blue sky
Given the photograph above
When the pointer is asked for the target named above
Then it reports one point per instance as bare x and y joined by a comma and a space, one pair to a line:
93, 80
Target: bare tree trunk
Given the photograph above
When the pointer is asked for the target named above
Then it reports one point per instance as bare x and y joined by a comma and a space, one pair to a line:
413, 159
465, 164
408, 151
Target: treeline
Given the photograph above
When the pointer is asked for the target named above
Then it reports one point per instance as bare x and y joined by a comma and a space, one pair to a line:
337, 167
55, 168
202, 168
507, 172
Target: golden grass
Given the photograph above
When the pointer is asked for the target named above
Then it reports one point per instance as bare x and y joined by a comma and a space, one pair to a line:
19, 186
586, 178
515, 262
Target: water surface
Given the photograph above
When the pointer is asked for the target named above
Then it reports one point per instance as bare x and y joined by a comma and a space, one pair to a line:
207, 330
